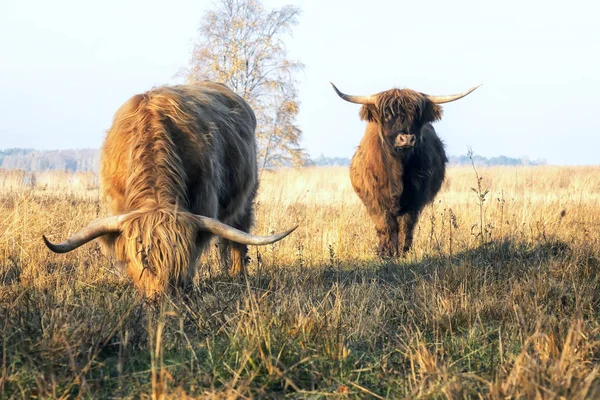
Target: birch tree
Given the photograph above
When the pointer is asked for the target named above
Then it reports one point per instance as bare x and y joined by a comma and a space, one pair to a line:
242, 45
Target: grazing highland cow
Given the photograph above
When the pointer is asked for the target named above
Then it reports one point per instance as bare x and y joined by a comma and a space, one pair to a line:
179, 165
400, 163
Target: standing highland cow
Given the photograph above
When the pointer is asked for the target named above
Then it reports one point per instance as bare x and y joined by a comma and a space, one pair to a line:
400, 163
177, 161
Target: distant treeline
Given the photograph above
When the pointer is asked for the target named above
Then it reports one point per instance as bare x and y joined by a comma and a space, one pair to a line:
76, 160
500, 160
323, 161
83, 160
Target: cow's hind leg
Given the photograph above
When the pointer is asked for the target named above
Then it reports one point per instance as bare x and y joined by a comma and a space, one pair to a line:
234, 255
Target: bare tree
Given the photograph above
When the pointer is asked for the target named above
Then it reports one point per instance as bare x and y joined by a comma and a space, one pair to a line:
241, 44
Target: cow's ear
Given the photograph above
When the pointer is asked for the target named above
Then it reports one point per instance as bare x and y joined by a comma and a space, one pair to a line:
368, 113
430, 112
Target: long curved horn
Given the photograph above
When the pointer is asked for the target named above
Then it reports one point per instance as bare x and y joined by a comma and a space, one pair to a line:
449, 98
112, 225
220, 229
355, 99
95, 229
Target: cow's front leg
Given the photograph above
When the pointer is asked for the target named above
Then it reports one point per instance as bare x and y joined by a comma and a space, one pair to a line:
407, 224
387, 236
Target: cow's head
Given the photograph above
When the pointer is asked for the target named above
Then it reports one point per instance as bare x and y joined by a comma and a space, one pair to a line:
400, 114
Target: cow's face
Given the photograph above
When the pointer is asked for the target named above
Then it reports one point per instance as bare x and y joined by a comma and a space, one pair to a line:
399, 129
400, 115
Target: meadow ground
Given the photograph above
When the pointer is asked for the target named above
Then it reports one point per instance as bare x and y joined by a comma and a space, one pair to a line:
499, 297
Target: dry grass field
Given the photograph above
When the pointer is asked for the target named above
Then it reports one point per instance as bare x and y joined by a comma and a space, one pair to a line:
499, 297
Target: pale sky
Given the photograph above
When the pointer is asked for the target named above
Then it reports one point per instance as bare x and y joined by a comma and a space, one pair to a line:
66, 67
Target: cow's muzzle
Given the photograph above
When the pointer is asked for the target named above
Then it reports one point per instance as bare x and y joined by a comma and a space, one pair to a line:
404, 142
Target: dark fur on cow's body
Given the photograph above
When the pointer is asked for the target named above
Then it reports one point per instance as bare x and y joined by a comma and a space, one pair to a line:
400, 163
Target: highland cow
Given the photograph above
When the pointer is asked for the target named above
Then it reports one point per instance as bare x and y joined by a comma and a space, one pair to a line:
400, 163
178, 166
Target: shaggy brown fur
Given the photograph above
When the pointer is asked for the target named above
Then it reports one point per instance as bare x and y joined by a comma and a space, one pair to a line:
393, 180
170, 152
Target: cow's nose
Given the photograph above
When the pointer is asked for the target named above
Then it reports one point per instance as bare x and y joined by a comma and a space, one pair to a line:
405, 140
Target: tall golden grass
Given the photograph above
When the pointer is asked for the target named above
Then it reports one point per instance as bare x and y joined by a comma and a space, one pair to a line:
499, 298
